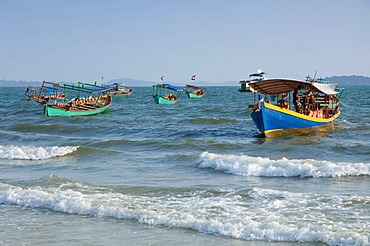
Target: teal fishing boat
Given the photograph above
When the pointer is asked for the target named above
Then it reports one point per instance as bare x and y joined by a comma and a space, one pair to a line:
166, 94
87, 99
193, 91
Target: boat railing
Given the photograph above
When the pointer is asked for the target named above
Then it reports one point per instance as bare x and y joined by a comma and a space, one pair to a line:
86, 88
31, 92
95, 87
49, 88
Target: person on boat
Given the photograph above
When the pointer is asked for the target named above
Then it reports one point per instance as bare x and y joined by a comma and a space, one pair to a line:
116, 87
283, 104
311, 100
173, 97
296, 99
198, 92
326, 112
335, 99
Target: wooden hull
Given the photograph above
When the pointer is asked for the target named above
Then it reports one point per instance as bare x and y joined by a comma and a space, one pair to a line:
120, 93
79, 110
273, 121
162, 100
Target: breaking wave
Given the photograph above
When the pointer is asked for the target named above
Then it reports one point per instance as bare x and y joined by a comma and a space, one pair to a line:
258, 214
34, 153
264, 167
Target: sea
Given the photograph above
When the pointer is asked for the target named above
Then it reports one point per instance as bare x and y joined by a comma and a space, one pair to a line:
194, 173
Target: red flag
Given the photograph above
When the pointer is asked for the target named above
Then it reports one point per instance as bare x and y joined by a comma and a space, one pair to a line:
193, 77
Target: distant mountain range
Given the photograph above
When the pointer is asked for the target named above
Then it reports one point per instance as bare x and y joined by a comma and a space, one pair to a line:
349, 80
352, 80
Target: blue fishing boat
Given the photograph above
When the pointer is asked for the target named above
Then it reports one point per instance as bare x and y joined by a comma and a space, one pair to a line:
166, 94
302, 106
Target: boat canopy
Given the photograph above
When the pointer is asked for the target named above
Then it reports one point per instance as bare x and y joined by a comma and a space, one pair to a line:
257, 74
50, 90
110, 85
113, 85
84, 87
279, 86
328, 89
171, 87
194, 87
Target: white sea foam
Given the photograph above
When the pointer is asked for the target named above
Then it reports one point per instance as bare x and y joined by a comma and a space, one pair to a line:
34, 153
258, 166
261, 214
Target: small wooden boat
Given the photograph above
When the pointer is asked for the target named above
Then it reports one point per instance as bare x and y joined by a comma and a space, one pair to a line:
315, 105
81, 108
88, 99
193, 91
117, 89
254, 77
33, 93
166, 94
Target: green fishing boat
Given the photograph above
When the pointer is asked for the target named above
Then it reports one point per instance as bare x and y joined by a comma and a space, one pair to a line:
82, 108
88, 99
166, 94
193, 91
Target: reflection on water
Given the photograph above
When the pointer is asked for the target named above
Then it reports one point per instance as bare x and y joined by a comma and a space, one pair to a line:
304, 135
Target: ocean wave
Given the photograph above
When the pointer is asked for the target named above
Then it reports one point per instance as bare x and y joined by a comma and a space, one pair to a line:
261, 214
34, 153
264, 167
213, 120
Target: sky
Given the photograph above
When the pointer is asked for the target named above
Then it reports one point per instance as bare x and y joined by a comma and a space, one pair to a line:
217, 40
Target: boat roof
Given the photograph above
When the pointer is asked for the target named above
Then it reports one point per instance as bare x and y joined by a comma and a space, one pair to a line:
172, 87
113, 84
168, 86
193, 86
84, 87
278, 86
50, 90
257, 74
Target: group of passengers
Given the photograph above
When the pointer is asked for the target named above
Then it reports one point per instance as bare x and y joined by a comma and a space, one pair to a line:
306, 103
170, 97
198, 92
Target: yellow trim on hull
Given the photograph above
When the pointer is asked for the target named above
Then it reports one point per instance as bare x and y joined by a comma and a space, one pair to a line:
302, 116
295, 131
